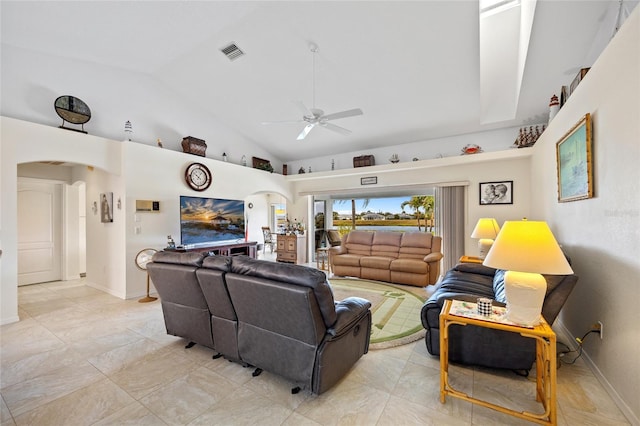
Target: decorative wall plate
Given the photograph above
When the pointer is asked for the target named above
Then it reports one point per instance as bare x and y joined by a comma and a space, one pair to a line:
72, 110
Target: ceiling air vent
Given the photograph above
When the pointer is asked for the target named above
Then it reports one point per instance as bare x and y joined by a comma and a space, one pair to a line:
232, 51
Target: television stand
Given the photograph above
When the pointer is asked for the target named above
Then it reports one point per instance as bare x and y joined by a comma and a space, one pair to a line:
247, 248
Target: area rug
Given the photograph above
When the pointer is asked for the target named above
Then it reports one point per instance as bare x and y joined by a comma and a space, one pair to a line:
395, 311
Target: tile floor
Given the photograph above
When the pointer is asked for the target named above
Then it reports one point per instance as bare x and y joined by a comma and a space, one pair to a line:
81, 357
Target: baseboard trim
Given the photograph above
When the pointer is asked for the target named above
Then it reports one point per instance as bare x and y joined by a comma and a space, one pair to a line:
563, 333
9, 320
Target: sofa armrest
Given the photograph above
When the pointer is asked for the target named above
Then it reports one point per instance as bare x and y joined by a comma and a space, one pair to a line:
338, 250
349, 312
433, 257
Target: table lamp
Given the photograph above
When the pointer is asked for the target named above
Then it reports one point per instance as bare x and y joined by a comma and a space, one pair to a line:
486, 229
526, 249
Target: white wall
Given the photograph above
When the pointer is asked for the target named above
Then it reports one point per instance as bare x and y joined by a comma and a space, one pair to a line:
131, 171
489, 141
602, 234
152, 173
164, 114
469, 170
24, 142
105, 241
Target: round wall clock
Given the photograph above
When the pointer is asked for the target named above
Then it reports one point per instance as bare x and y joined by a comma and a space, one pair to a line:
198, 176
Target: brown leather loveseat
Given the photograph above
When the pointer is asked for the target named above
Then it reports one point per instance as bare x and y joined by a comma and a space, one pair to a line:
276, 317
397, 257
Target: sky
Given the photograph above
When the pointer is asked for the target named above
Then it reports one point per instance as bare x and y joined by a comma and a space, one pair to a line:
384, 205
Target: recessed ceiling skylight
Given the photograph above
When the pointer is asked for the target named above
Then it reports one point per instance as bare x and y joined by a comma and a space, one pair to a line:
487, 6
505, 30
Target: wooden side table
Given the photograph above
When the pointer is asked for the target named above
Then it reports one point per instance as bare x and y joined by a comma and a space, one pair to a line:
545, 363
322, 258
470, 259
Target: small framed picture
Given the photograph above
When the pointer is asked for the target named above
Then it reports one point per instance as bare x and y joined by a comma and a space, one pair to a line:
496, 192
106, 207
372, 180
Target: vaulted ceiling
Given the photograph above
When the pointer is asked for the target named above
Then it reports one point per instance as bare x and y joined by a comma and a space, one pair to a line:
412, 67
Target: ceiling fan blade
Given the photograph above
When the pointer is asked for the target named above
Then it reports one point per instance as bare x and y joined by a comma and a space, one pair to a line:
335, 128
343, 114
303, 134
303, 108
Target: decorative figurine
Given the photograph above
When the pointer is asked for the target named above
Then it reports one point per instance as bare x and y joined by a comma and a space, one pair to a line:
170, 243
128, 129
471, 149
554, 107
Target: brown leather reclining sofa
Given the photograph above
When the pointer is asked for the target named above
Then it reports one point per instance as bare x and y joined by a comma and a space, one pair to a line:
397, 257
276, 317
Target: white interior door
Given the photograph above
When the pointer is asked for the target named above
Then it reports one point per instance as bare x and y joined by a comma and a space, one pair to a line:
39, 236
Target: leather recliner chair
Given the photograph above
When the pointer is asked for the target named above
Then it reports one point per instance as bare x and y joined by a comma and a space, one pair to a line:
184, 307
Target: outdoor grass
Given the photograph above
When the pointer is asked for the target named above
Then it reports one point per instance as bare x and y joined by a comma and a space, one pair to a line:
387, 222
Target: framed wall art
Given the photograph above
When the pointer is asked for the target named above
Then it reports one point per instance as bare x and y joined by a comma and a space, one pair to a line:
372, 180
496, 192
574, 162
106, 207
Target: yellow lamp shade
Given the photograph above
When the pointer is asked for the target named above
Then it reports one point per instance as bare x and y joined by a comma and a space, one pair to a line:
527, 246
486, 230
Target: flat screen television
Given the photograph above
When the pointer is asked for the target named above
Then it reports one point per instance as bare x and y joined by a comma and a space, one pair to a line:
210, 221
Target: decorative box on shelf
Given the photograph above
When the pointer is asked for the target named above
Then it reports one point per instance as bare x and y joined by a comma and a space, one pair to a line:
364, 161
262, 164
195, 146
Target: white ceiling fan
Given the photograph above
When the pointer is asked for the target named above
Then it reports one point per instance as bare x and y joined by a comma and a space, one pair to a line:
316, 117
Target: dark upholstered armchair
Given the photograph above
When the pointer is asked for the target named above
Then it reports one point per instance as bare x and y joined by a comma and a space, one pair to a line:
334, 238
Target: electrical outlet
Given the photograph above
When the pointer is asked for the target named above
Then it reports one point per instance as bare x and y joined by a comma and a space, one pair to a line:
601, 328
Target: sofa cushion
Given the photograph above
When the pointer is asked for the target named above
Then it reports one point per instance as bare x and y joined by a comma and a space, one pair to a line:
292, 274
476, 285
415, 245
347, 260
475, 268
219, 263
376, 262
413, 266
386, 244
359, 242
498, 286
179, 258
